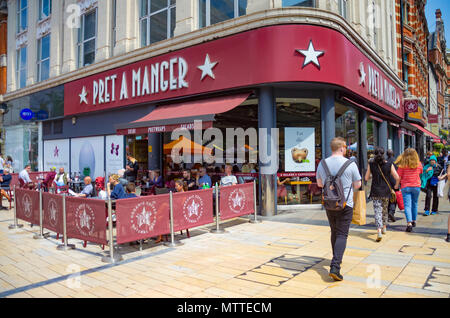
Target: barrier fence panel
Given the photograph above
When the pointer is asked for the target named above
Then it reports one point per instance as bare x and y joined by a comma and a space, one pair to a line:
141, 218
14, 180
192, 209
86, 219
27, 205
52, 204
236, 201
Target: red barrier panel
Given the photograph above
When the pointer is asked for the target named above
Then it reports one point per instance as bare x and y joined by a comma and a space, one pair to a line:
34, 176
86, 219
141, 218
14, 180
192, 209
27, 205
52, 205
236, 201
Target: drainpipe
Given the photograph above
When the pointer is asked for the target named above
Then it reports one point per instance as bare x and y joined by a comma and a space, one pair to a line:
401, 34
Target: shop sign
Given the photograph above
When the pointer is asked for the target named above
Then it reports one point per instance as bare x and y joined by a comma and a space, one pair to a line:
26, 114
305, 53
411, 106
378, 87
433, 119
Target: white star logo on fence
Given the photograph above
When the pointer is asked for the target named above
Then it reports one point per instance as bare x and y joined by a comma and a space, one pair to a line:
144, 218
193, 208
85, 219
237, 200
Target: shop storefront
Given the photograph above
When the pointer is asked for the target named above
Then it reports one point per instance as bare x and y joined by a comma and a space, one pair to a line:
295, 90
25, 121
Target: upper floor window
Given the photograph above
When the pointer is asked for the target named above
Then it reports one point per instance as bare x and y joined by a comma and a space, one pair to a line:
45, 8
299, 3
22, 15
406, 9
405, 68
215, 11
43, 61
157, 20
343, 8
21, 67
86, 38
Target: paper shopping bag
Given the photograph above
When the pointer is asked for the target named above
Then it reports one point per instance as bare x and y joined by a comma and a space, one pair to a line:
359, 207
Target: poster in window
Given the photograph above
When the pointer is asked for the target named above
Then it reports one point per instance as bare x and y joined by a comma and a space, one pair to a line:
87, 156
56, 154
299, 149
114, 154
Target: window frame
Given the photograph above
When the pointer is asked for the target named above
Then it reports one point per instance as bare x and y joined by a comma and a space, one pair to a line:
343, 8
40, 61
208, 12
19, 17
41, 14
148, 17
81, 41
20, 67
314, 5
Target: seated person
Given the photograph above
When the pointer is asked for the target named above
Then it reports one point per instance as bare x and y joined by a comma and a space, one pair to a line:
24, 175
180, 186
189, 180
118, 192
62, 178
156, 179
203, 180
131, 190
88, 190
100, 188
49, 179
235, 171
228, 179
5, 180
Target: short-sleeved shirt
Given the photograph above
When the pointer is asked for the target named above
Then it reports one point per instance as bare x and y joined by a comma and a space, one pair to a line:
88, 190
350, 175
410, 177
228, 180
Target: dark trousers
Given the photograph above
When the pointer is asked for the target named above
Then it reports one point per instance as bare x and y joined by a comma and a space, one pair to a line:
431, 190
391, 208
340, 225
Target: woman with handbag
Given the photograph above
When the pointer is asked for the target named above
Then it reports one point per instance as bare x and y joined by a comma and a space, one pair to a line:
409, 171
381, 191
430, 178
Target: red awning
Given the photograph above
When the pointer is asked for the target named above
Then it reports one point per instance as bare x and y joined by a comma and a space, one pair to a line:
427, 132
169, 117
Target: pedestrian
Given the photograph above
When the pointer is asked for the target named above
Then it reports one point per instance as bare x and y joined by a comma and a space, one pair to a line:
431, 175
409, 171
392, 205
380, 190
131, 169
339, 221
443, 159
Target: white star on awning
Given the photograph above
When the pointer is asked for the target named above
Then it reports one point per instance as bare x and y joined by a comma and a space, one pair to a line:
207, 68
83, 96
311, 55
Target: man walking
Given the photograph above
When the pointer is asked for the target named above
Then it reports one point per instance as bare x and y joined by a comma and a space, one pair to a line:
350, 179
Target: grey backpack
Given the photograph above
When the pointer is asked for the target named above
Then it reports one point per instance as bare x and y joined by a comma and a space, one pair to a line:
333, 191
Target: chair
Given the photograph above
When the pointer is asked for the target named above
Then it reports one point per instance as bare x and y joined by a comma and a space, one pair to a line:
60, 189
21, 183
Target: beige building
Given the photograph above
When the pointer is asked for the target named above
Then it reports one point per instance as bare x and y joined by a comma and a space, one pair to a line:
45, 43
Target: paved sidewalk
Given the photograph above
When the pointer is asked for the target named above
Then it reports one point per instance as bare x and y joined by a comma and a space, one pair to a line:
287, 255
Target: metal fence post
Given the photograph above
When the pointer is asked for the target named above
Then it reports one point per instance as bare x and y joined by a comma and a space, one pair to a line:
113, 256
255, 220
15, 225
173, 242
217, 230
65, 246
41, 234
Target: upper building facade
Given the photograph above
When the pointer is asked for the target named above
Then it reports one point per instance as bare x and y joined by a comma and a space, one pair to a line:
49, 45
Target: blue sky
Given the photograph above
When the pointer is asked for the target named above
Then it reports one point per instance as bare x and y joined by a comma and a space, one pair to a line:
430, 10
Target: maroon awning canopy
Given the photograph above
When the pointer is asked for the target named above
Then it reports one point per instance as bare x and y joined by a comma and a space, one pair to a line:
427, 132
182, 115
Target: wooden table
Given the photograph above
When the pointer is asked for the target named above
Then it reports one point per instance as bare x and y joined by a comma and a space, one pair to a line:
298, 184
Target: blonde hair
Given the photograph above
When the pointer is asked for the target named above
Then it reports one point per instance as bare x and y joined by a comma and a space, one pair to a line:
114, 177
337, 143
408, 159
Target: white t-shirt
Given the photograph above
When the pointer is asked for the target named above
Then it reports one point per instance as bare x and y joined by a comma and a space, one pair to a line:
2, 163
228, 180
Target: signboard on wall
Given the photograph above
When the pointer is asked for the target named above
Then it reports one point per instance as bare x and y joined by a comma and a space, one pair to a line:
56, 154
88, 153
299, 149
114, 154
